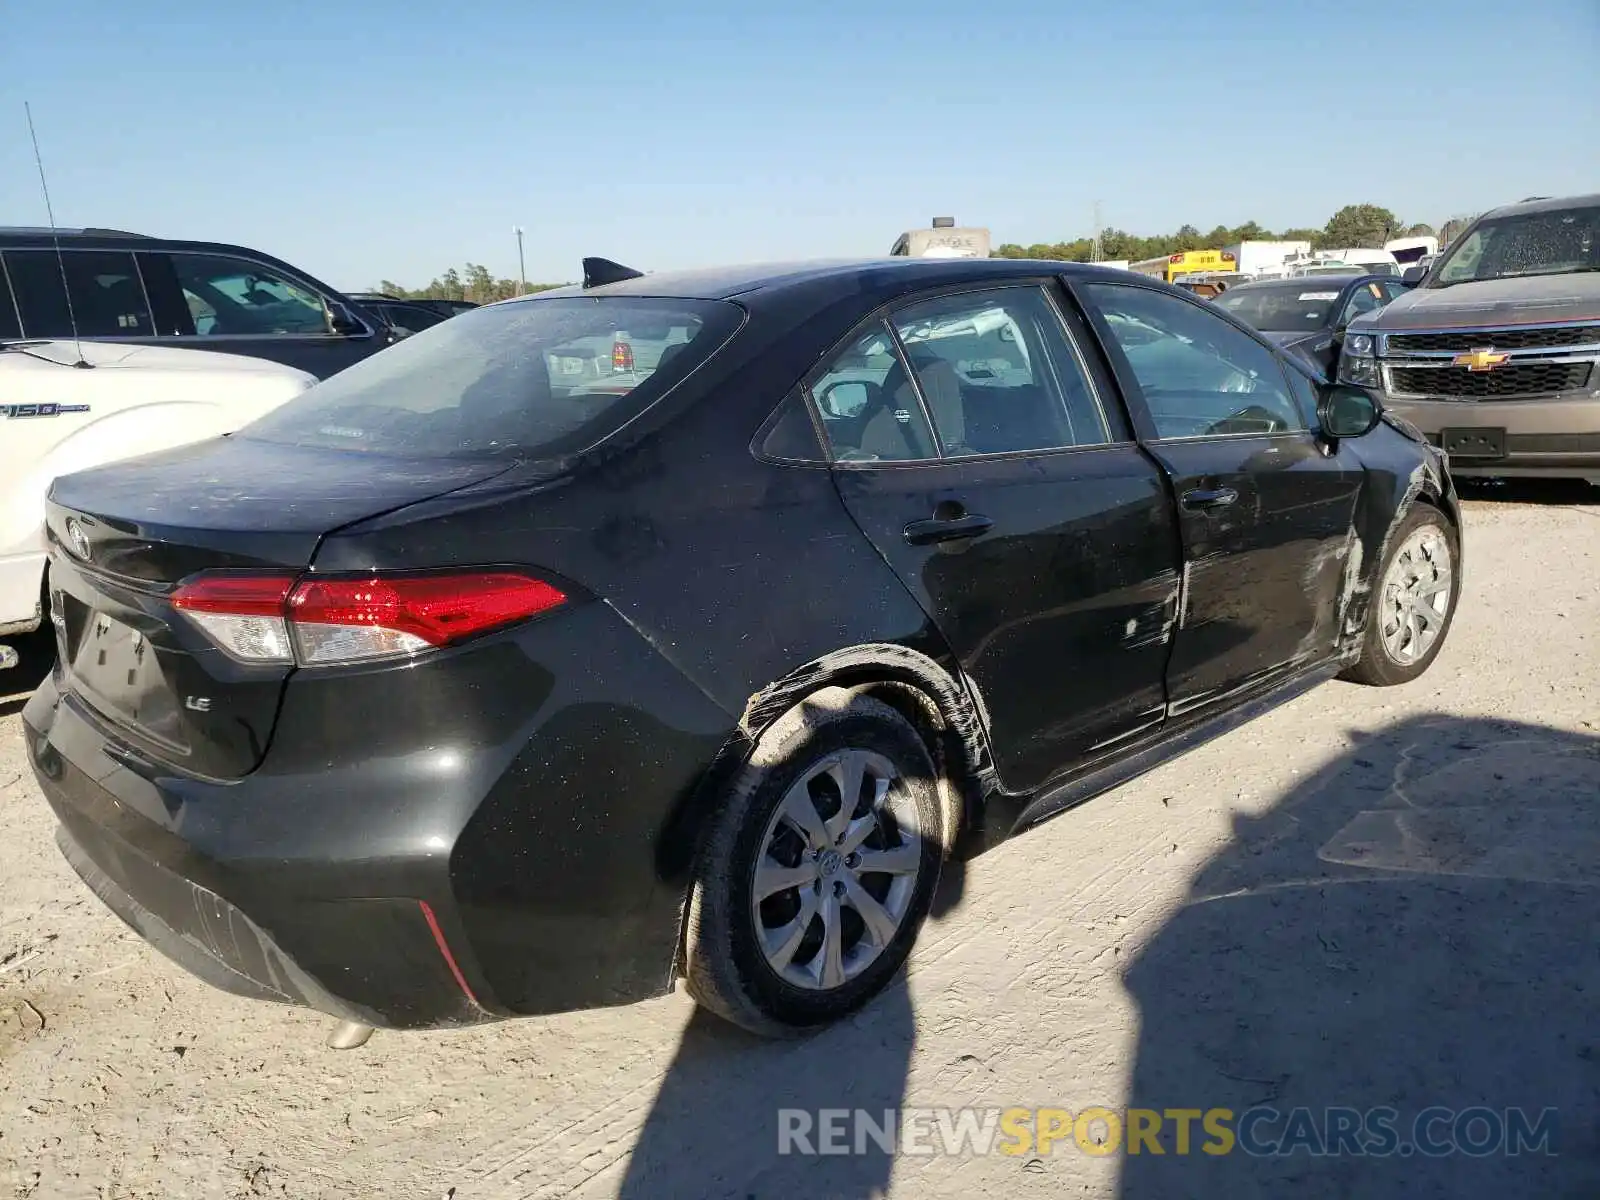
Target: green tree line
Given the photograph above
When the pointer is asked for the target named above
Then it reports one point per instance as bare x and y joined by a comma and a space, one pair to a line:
475, 283
1354, 225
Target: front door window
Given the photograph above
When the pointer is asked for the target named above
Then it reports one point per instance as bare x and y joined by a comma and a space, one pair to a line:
235, 297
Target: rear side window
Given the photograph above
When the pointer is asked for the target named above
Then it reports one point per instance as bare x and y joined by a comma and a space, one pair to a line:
535, 378
108, 298
870, 410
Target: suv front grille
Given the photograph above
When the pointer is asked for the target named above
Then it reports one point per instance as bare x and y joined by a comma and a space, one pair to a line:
1513, 379
1495, 339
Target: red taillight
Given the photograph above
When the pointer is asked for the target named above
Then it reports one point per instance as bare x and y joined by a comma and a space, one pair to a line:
337, 620
267, 618
235, 595
621, 356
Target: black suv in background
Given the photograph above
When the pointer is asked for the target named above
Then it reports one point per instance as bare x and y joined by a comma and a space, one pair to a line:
408, 316
444, 308
1308, 315
125, 287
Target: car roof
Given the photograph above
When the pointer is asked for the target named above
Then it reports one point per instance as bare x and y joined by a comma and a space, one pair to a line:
1546, 204
874, 274
46, 231
30, 238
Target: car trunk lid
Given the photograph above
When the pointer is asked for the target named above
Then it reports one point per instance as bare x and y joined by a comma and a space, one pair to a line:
123, 537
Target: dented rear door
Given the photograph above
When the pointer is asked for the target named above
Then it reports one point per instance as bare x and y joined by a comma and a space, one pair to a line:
1059, 611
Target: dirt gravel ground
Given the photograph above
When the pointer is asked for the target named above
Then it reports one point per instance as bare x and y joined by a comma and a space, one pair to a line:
1366, 898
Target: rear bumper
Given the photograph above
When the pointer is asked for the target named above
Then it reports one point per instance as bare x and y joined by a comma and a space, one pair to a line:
440, 866
1557, 437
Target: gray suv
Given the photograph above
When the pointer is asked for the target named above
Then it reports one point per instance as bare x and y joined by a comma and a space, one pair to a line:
1495, 355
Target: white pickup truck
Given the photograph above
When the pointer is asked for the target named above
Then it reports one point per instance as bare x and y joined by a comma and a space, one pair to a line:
58, 415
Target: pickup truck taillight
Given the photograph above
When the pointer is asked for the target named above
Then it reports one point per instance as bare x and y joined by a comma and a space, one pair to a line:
278, 618
621, 356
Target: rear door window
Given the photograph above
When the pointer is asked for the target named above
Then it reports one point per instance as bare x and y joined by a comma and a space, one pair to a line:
998, 373
107, 297
534, 378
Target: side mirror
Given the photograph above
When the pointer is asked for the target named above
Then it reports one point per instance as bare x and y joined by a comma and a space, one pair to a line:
342, 321
846, 398
1412, 276
1348, 412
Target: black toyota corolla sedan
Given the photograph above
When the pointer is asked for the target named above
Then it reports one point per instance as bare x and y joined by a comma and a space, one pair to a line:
683, 624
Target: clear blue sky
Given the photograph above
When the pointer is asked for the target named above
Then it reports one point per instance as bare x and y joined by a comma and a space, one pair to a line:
370, 138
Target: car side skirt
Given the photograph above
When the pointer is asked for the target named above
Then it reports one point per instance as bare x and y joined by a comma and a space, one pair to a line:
1161, 746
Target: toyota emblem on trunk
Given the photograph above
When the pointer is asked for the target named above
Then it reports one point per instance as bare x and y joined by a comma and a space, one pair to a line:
77, 539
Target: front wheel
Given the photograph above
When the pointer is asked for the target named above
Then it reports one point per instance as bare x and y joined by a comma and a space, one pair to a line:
819, 869
1414, 601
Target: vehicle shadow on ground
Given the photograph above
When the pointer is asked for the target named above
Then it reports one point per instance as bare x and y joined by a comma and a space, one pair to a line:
1415, 926
713, 1130
36, 653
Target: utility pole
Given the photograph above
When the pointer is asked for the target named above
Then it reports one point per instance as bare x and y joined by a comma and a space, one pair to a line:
1095, 253
522, 271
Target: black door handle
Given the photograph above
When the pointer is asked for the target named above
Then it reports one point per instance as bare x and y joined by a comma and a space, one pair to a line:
1209, 497
925, 533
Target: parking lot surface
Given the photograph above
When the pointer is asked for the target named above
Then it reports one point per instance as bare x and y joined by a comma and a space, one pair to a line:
1367, 898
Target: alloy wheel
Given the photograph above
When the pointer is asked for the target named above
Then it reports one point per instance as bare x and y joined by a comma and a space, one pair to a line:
1417, 593
836, 872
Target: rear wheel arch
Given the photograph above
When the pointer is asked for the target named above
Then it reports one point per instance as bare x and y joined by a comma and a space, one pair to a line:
935, 704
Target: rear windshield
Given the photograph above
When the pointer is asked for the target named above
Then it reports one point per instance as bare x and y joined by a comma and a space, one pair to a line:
535, 379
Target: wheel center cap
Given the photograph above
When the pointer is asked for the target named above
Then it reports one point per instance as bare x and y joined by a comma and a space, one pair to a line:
828, 862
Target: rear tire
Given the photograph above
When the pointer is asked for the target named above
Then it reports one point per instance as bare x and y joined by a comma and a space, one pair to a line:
1406, 627
789, 927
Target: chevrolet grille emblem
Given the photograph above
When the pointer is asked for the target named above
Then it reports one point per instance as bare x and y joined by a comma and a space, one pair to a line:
1480, 360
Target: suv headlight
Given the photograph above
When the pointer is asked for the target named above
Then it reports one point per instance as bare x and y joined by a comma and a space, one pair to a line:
1358, 364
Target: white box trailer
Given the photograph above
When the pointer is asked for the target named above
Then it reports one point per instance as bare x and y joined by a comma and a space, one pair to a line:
1256, 258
